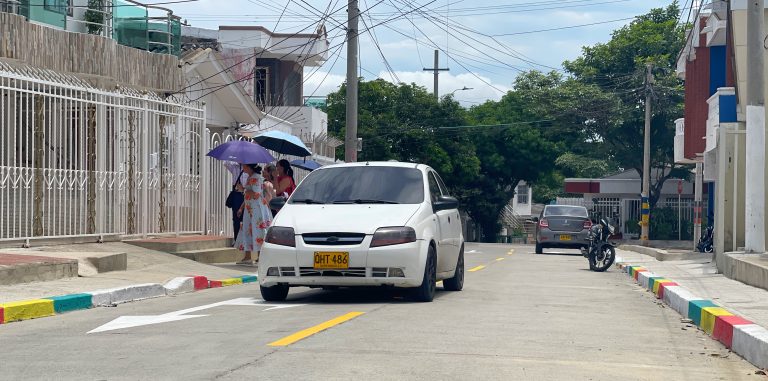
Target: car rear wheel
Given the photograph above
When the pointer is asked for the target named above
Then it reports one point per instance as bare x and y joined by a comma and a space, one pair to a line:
276, 293
539, 249
426, 292
457, 282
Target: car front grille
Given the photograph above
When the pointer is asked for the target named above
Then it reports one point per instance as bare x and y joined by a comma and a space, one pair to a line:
356, 272
287, 271
333, 239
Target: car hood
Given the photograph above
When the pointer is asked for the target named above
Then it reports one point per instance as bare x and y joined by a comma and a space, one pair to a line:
345, 218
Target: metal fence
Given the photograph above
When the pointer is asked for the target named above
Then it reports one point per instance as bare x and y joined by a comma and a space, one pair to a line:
77, 160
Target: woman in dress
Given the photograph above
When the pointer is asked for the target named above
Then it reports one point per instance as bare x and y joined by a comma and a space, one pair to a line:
285, 183
256, 215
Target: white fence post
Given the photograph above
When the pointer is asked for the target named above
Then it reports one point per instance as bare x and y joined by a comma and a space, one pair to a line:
145, 169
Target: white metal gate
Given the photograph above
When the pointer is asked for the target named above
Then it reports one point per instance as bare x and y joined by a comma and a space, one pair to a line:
77, 160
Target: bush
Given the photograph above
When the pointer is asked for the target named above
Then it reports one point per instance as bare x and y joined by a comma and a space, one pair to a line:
664, 223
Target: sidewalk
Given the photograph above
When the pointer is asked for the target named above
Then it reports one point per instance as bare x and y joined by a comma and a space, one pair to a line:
731, 312
144, 266
700, 277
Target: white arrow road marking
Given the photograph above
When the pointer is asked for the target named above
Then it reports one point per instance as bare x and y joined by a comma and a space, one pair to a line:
137, 321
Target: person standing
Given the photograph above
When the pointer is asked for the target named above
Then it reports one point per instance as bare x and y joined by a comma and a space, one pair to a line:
285, 182
234, 202
270, 176
256, 215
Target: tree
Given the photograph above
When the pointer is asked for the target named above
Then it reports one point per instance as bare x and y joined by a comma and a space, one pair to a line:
618, 68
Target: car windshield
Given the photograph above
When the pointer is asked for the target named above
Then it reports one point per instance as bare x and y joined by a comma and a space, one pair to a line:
567, 211
361, 185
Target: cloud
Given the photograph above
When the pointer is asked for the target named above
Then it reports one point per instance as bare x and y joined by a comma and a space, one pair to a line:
321, 83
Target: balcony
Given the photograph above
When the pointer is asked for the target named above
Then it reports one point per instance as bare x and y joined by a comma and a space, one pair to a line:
130, 23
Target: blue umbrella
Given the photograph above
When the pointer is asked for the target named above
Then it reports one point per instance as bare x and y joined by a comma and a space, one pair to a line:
282, 142
309, 165
242, 152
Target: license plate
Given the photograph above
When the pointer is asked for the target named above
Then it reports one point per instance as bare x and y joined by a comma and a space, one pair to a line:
565, 237
331, 260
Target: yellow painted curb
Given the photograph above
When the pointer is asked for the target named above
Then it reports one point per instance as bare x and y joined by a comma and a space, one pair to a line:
27, 309
231, 281
658, 283
709, 315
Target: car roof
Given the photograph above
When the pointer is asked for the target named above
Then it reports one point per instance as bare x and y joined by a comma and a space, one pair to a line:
565, 206
395, 164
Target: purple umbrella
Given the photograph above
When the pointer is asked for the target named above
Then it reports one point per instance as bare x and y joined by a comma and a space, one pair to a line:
242, 152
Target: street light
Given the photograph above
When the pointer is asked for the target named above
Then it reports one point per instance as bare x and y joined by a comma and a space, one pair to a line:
462, 89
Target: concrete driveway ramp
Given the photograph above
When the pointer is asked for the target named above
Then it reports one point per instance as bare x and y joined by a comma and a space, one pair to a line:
18, 268
199, 248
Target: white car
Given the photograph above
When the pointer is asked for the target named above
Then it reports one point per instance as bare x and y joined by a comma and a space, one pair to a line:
365, 224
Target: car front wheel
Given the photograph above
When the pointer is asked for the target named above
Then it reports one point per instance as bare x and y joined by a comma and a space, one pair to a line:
276, 293
457, 282
426, 292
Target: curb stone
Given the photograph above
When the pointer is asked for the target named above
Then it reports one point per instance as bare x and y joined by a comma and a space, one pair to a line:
740, 335
54, 305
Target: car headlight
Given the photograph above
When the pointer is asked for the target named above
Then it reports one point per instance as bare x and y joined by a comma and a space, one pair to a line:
282, 236
393, 236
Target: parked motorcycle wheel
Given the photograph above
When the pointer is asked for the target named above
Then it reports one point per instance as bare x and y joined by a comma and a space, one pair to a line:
603, 259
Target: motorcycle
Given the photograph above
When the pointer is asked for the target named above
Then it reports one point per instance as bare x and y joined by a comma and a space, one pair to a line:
600, 252
706, 242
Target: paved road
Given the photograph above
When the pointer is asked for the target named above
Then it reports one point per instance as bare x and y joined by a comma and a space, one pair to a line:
521, 317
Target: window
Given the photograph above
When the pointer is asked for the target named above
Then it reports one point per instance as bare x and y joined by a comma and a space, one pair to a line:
565, 211
434, 188
522, 194
261, 86
347, 185
58, 6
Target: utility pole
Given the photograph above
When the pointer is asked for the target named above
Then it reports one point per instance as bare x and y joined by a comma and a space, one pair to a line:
436, 70
754, 236
646, 191
350, 139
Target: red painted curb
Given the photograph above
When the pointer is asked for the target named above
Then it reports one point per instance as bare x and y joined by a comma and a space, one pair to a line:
664, 285
637, 272
214, 284
201, 282
2, 315
723, 331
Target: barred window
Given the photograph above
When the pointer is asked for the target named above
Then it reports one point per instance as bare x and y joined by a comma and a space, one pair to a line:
522, 194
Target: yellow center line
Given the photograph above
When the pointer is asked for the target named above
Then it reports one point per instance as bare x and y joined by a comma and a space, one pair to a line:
511, 251
476, 268
499, 259
303, 334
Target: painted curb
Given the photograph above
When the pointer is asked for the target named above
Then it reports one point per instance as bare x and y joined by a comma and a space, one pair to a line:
743, 337
751, 342
49, 306
180, 285
201, 282
71, 302
27, 309
724, 326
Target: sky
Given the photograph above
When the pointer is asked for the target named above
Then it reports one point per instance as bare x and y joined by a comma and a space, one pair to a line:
406, 32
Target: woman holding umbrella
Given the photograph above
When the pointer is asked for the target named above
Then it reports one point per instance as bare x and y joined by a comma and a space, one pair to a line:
256, 215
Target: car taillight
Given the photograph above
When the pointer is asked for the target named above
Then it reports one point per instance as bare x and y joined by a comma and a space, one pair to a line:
587, 224
393, 236
281, 236
543, 223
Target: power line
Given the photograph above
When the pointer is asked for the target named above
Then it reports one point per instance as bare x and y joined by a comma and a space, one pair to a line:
564, 27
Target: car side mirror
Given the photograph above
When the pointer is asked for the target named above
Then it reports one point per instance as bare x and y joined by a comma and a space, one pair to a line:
277, 203
445, 203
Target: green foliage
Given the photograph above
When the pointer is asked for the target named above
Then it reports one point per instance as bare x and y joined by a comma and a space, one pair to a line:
664, 225
617, 67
